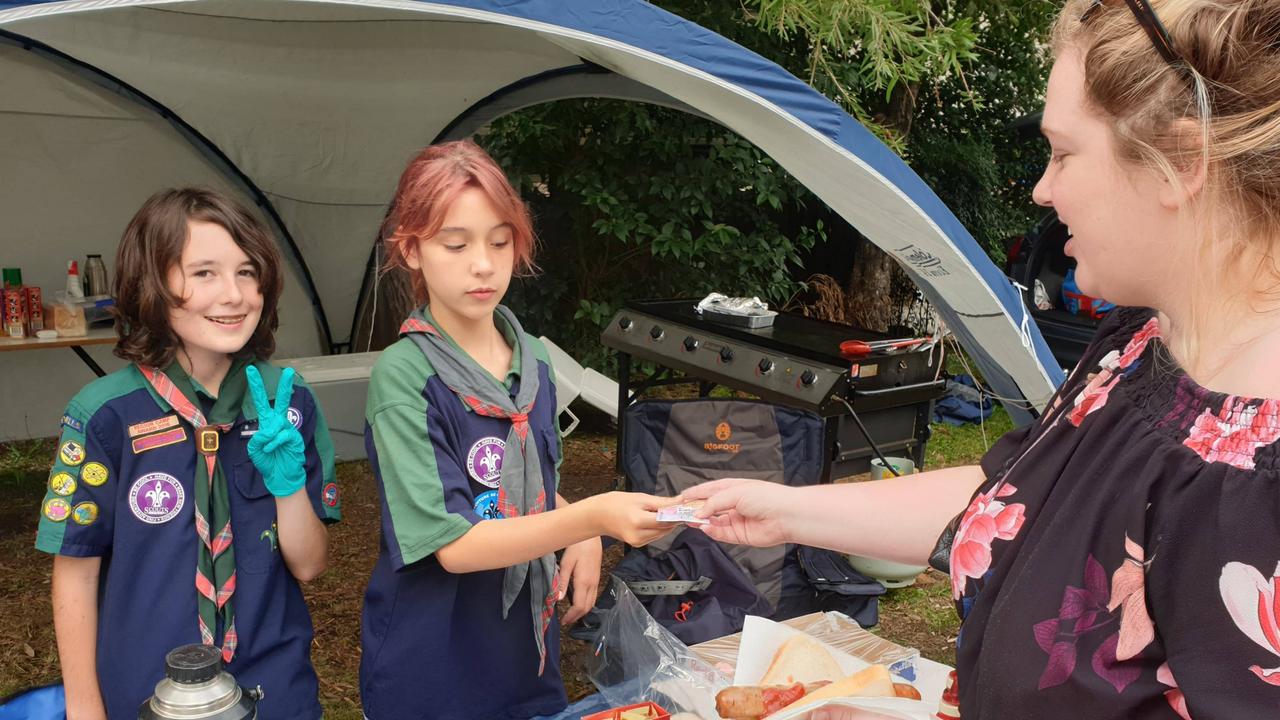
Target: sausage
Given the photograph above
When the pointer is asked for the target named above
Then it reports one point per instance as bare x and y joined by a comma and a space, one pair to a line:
750, 702
753, 702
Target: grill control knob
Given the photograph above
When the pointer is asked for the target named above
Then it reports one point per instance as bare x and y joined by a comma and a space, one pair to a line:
656, 332
624, 323
808, 378
766, 366
690, 343
726, 354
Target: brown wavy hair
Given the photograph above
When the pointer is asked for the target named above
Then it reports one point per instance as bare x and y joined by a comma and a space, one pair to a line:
153, 243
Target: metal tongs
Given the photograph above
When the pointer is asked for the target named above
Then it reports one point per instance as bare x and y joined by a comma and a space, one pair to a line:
861, 348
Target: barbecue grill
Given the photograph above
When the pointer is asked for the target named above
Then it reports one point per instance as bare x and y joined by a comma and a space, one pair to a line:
795, 362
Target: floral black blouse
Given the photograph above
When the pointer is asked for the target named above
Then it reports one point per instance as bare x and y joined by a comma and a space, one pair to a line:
1122, 559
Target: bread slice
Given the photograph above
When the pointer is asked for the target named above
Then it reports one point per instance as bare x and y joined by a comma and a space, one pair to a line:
801, 659
874, 681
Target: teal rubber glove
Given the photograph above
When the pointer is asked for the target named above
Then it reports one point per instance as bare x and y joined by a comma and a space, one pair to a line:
277, 449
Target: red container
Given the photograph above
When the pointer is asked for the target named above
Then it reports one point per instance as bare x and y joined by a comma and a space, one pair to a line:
35, 310
15, 316
639, 711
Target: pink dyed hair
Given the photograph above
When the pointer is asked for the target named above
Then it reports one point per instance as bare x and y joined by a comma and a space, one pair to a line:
427, 188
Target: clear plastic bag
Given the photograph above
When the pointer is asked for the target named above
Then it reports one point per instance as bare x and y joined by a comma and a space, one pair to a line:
636, 660
836, 630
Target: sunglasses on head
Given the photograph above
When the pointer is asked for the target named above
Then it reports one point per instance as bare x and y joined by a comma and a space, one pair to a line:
1146, 17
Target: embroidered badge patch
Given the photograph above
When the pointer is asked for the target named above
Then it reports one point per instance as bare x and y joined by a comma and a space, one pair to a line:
85, 513
153, 426
487, 505
57, 509
156, 498
74, 424
71, 453
94, 473
295, 417
62, 484
330, 495
484, 461
160, 439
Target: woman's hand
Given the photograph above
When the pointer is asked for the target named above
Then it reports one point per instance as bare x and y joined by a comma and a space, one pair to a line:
631, 517
744, 512
580, 567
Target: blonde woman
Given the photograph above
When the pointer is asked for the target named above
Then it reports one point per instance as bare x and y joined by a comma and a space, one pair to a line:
1120, 557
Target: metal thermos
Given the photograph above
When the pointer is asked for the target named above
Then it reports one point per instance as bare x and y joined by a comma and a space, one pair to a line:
95, 277
196, 688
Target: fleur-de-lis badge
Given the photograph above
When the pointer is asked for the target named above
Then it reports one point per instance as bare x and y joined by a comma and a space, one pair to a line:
489, 461
157, 495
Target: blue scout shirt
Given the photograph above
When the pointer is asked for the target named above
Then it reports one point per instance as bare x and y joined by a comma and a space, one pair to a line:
435, 644
122, 488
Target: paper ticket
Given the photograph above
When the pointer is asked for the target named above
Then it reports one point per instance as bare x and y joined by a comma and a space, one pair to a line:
685, 513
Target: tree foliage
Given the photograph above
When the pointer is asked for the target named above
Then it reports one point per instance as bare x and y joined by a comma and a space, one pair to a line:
642, 201
636, 201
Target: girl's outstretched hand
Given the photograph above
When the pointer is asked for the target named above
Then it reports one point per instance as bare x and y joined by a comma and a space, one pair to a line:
744, 512
276, 449
632, 517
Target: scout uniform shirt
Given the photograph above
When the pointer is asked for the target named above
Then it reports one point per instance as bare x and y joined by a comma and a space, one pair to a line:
435, 644
122, 488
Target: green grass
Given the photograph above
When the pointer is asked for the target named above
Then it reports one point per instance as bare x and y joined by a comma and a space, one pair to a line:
20, 457
965, 445
932, 604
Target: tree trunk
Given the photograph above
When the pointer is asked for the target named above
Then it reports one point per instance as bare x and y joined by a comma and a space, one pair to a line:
869, 292
878, 291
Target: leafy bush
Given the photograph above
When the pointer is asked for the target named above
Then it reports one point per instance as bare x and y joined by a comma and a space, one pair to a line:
636, 201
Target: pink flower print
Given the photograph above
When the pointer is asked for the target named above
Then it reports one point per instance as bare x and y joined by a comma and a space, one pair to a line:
1095, 393
1138, 343
1128, 592
1254, 604
1176, 699
1093, 397
1239, 429
986, 520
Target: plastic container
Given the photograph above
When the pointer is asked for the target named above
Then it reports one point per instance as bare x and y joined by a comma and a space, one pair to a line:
75, 289
900, 465
886, 572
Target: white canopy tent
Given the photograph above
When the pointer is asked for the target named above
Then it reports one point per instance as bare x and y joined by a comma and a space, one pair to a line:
308, 110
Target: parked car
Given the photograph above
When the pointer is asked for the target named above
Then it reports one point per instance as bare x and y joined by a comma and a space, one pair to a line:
1038, 255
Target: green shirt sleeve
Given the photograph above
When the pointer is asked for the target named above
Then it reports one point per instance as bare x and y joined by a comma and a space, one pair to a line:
424, 505
77, 514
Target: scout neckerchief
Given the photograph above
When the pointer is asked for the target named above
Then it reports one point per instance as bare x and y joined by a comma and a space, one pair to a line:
216, 564
521, 490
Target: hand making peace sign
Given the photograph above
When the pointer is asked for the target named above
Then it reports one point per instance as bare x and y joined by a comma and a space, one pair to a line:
277, 449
